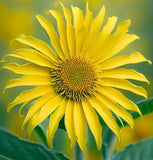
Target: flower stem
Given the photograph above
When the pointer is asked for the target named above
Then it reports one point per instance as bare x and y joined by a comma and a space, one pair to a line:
109, 140
78, 155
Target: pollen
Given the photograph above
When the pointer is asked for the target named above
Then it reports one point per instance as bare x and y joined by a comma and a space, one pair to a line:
74, 78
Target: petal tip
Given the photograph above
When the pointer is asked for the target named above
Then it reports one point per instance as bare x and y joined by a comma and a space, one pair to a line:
61, 4
99, 146
103, 7
139, 112
9, 108
146, 96
87, 6
47, 11
23, 126
150, 62
118, 134
4, 90
50, 144
2, 61
141, 116
129, 21
38, 16
137, 37
148, 82
18, 38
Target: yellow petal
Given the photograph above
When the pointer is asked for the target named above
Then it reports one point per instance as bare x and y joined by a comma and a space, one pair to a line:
77, 17
70, 31
106, 114
69, 122
95, 27
118, 39
79, 28
88, 19
37, 106
28, 68
38, 45
28, 95
118, 110
61, 29
32, 56
71, 38
120, 121
104, 41
80, 39
19, 112
28, 80
54, 122
67, 13
49, 107
108, 28
93, 122
123, 27
135, 57
114, 45
103, 35
124, 84
49, 28
123, 73
97, 22
119, 98
80, 126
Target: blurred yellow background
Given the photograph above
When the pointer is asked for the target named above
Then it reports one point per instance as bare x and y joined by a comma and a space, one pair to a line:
18, 17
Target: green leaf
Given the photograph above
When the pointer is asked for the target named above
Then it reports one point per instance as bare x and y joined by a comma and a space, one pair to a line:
142, 150
41, 134
13, 148
109, 139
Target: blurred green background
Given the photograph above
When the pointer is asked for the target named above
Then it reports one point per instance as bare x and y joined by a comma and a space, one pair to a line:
18, 17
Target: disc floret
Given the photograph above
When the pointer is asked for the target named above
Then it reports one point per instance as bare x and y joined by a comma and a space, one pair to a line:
74, 78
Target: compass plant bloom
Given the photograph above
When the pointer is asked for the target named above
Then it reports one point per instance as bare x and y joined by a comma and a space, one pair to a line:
77, 77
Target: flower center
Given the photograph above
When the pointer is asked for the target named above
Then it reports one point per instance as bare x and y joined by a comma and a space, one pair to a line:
74, 78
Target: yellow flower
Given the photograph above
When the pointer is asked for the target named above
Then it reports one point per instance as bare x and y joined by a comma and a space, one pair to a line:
79, 76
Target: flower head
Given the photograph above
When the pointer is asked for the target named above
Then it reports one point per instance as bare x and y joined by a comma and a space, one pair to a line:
79, 78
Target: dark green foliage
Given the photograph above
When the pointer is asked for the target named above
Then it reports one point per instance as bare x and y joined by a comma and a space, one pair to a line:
13, 148
142, 150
